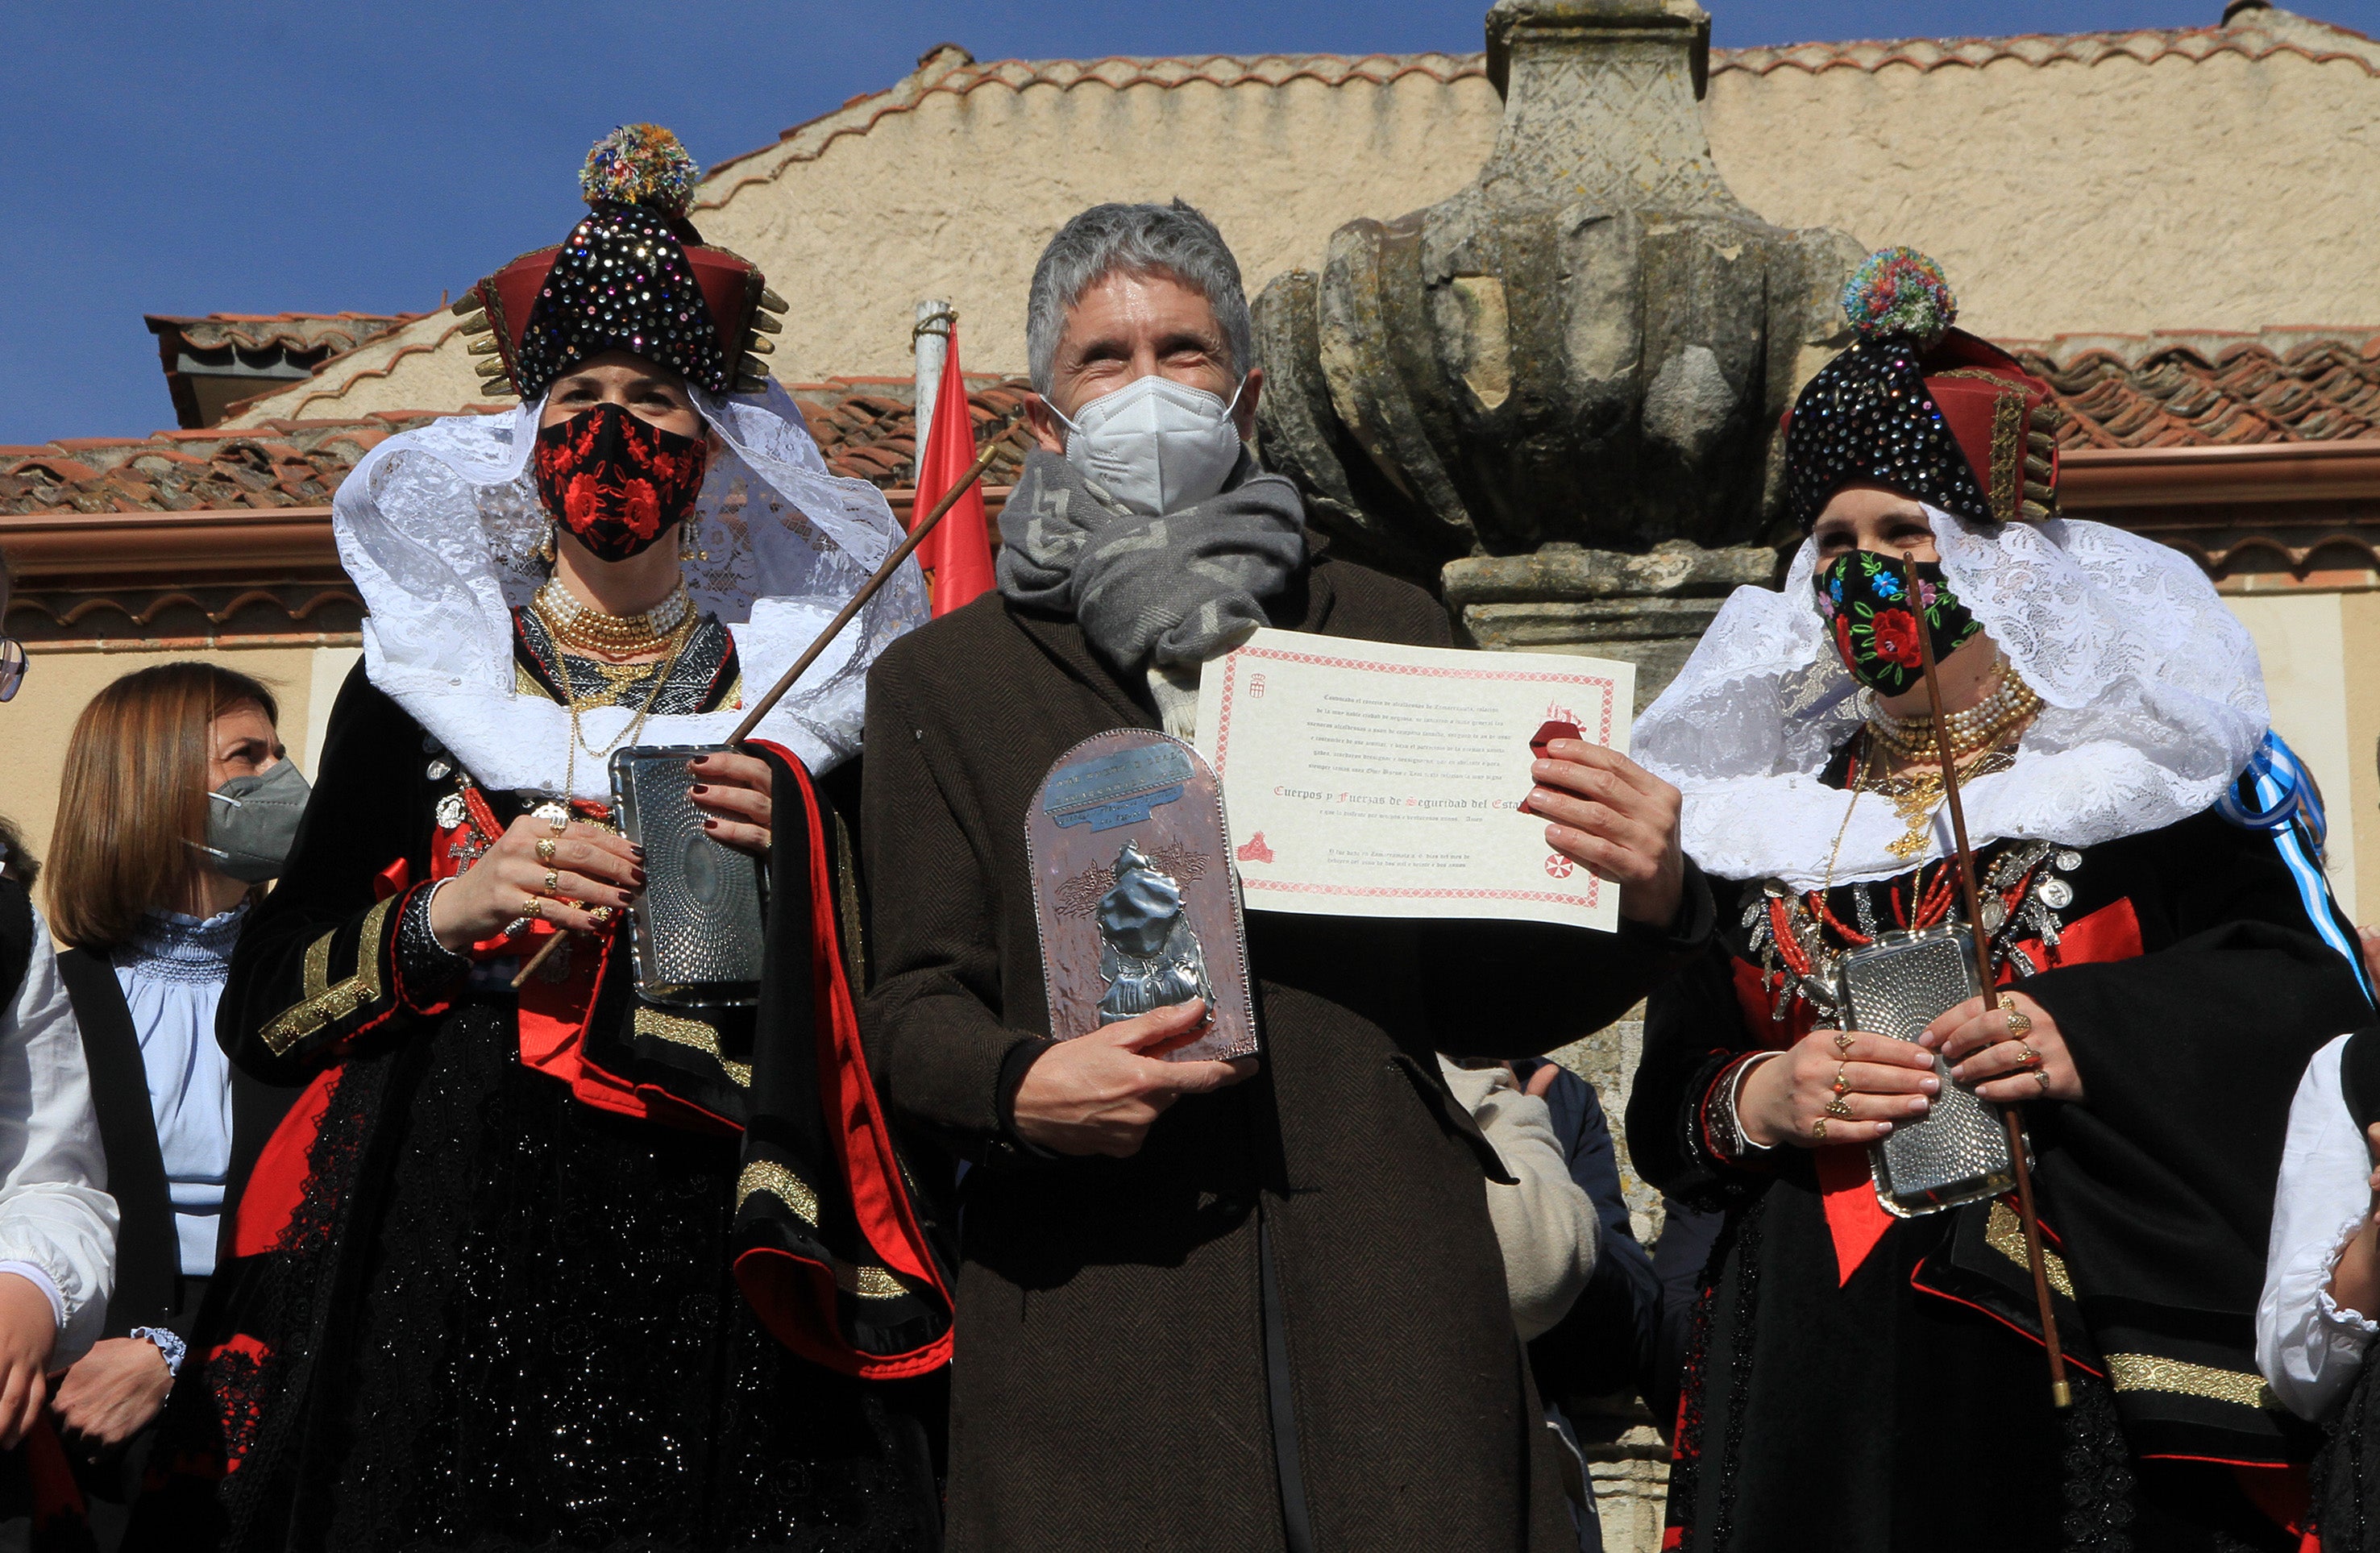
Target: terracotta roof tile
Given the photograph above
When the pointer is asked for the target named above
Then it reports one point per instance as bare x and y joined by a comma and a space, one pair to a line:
2254, 32
293, 331
2190, 390
950, 70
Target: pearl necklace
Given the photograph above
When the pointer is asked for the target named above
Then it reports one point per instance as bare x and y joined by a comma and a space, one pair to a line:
575, 625
1979, 727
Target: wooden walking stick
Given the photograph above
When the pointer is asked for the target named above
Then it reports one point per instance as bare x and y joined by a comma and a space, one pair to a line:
2060, 1394
825, 639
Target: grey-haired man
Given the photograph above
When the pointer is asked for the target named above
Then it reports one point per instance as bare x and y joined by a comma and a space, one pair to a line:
1200, 1304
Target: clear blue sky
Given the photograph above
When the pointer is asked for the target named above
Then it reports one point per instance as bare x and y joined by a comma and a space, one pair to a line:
277, 156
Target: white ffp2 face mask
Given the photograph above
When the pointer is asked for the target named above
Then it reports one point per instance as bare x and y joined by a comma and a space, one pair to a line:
1156, 446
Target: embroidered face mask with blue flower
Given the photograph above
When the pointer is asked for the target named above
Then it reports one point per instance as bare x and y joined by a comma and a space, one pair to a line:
1865, 597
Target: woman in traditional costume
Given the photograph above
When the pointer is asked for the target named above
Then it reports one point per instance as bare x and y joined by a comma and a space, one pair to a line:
2167, 960
479, 1291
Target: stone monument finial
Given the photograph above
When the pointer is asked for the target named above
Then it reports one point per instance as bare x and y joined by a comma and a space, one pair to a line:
1591, 345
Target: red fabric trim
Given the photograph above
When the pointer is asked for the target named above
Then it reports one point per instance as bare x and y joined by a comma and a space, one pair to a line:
277, 1184
56, 1496
2284, 1494
1989, 1314
797, 1300
1855, 1215
2113, 932
862, 1142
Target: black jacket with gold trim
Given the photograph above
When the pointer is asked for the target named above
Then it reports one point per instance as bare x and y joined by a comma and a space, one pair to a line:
2188, 971
328, 992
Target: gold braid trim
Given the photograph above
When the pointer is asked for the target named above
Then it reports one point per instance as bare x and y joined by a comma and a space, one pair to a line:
868, 1283
703, 1037
324, 1004
2146, 1372
2008, 455
767, 1175
2004, 1235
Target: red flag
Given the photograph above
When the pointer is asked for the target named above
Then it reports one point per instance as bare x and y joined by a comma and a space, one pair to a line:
957, 554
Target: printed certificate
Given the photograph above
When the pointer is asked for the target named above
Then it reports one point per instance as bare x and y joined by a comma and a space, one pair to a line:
1365, 780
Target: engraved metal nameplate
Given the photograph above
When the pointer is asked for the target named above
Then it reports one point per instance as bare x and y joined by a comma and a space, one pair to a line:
1134, 892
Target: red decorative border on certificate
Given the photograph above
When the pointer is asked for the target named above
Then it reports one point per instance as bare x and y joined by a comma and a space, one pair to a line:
1609, 687
1299, 887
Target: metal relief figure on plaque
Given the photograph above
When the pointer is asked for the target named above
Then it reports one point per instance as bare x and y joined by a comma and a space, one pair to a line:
1149, 956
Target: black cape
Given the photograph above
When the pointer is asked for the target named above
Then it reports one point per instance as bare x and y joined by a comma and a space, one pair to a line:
473, 1302
1906, 1405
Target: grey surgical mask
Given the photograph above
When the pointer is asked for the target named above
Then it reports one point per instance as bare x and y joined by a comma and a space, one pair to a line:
252, 822
1156, 446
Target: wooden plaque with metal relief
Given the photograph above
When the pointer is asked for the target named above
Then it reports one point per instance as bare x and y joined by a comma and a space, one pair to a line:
1134, 891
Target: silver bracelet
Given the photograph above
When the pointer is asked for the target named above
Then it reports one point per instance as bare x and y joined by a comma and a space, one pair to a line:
1731, 1124
169, 1343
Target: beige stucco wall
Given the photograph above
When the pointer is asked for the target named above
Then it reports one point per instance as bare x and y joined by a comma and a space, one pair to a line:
956, 198
2302, 641
2121, 196
2118, 197
59, 683
2359, 653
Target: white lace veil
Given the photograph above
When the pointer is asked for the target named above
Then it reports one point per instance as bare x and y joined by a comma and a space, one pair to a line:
440, 529
2153, 703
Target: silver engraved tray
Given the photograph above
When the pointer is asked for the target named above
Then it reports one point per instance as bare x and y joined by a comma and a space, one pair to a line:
1959, 1151
696, 927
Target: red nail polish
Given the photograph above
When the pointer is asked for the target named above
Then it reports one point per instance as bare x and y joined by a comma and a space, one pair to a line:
700, 788
709, 823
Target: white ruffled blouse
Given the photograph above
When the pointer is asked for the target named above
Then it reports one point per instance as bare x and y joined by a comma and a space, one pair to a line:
173, 974
2309, 1347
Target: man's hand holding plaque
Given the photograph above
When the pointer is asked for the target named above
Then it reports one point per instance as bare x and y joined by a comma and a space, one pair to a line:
1098, 1093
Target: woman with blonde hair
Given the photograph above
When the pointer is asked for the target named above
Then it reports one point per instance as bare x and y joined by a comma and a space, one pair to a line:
177, 803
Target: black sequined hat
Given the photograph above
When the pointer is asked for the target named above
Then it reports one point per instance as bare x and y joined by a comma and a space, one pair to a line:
1929, 410
633, 275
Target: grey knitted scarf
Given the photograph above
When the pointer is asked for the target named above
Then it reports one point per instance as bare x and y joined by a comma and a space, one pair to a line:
1150, 591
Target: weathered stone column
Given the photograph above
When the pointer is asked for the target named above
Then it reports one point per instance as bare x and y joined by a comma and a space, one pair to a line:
1554, 397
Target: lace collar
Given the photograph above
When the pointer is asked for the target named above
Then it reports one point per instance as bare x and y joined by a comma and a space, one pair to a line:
174, 946
438, 528
2153, 703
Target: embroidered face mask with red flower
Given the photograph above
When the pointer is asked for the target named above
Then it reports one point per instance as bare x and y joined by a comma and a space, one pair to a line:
1865, 598
616, 482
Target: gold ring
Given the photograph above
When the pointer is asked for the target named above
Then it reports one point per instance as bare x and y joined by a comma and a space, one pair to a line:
600, 916
1843, 1042
2020, 1025
545, 849
1842, 1085
552, 881
1837, 1107
2027, 1057
559, 820
1818, 1129
534, 908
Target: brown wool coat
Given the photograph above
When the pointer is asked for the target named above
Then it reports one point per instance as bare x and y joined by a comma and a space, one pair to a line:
1111, 1380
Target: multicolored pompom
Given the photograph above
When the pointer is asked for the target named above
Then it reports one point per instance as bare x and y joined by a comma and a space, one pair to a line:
640, 165
1899, 291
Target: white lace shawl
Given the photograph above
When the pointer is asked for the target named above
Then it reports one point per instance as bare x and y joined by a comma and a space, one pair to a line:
2153, 702
440, 529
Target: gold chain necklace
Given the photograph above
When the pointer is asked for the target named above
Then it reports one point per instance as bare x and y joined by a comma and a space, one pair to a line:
576, 624
1915, 796
678, 638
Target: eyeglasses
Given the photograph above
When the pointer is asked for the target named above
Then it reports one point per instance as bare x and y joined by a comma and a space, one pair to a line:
12, 666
